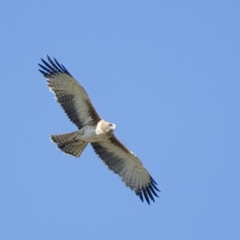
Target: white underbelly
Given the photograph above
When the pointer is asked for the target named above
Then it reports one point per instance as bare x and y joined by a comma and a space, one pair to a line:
88, 134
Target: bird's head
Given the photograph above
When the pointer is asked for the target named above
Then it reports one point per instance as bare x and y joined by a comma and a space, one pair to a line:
106, 127
110, 127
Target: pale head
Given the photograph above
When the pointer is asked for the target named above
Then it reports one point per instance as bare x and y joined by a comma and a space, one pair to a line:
106, 127
110, 127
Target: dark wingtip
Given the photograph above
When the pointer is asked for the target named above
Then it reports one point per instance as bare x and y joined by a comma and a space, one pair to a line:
151, 178
146, 196
49, 59
141, 196
52, 68
153, 191
41, 71
148, 192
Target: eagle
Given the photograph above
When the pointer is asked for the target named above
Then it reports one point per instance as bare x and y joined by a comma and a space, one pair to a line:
94, 130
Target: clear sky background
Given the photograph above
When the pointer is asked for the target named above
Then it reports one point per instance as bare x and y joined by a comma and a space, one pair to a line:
167, 73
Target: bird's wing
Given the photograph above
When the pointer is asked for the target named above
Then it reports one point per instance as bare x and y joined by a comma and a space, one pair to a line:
126, 164
69, 93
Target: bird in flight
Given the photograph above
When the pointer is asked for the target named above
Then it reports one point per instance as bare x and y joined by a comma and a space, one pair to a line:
94, 130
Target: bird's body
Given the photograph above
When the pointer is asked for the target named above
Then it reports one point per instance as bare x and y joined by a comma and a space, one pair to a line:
79, 139
94, 130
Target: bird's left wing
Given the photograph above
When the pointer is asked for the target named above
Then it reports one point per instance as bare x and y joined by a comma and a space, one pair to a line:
69, 93
126, 164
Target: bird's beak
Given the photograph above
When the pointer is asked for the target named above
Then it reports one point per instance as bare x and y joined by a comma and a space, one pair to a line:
114, 127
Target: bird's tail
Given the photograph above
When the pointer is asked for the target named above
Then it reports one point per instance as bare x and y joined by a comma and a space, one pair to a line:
69, 144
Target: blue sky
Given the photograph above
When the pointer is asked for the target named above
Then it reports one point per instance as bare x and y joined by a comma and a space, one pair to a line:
167, 73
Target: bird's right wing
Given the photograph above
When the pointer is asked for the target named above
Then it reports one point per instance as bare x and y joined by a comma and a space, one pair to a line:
69, 93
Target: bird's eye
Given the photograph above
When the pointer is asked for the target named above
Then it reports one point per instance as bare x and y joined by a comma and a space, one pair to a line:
110, 125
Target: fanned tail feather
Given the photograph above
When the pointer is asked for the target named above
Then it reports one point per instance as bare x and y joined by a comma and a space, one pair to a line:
68, 143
